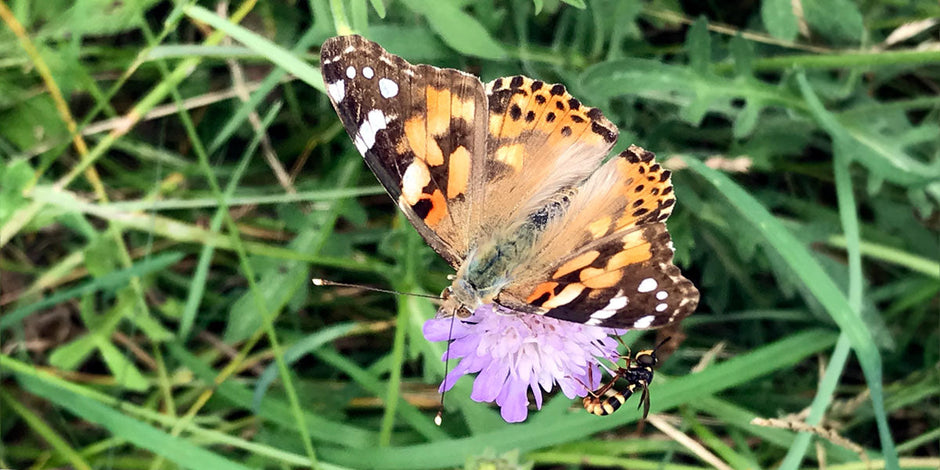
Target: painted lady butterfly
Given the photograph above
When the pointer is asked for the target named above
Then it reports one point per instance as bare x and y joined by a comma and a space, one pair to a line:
506, 182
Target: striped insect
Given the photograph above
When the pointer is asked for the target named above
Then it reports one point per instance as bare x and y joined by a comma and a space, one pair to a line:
637, 373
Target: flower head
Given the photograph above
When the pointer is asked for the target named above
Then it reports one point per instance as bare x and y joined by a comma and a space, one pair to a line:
514, 352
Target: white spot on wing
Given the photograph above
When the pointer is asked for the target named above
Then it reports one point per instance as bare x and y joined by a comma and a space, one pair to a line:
647, 285
644, 322
337, 90
613, 305
348, 49
365, 137
661, 307
415, 178
351, 72
388, 88
617, 303
368, 72
661, 295
593, 322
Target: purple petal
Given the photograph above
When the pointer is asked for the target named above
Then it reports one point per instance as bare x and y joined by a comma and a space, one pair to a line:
513, 403
490, 381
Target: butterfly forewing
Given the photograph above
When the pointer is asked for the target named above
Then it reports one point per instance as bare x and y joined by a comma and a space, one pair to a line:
541, 141
419, 128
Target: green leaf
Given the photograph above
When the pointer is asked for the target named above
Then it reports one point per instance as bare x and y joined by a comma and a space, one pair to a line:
279, 281
695, 92
699, 45
413, 43
273, 410
173, 448
99, 17
29, 123
779, 20
837, 20
100, 256
273, 52
746, 121
576, 3
743, 53
379, 7
459, 30
69, 356
14, 178
107, 283
124, 371
305, 346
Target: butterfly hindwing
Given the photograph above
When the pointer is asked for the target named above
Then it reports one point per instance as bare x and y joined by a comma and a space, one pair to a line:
421, 131
626, 280
608, 259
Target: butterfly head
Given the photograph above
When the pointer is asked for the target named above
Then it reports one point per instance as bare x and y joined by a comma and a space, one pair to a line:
462, 298
457, 302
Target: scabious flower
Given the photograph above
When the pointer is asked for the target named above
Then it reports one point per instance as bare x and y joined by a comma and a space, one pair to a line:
515, 352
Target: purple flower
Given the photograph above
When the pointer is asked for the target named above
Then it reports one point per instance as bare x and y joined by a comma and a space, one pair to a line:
514, 352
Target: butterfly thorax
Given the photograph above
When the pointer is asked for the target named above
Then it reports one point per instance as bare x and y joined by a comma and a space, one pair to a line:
488, 268
484, 273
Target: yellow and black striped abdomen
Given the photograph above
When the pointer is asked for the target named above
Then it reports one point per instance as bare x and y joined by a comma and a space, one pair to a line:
609, 401
638, 373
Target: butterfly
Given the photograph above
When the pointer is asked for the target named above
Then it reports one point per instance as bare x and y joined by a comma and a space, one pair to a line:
506, 181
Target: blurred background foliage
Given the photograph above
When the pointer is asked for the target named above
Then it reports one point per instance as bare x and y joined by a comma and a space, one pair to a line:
173, 176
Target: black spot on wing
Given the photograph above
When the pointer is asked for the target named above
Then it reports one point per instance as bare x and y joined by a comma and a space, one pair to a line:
608, 135
515, 112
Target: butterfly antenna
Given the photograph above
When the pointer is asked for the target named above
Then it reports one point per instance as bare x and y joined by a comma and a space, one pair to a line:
439, 418
325, 282
662, 343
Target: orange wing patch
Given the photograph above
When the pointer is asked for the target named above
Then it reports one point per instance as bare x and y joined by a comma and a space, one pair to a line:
594, 271
442, 163
458, 172
432, 208
648, 188
576, 263
520, 106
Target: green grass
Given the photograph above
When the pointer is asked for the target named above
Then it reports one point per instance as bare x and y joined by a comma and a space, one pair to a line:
172, 179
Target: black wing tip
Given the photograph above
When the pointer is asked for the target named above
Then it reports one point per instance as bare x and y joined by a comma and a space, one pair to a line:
338, 45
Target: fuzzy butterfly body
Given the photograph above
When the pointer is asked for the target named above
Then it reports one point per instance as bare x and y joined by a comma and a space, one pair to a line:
506, 181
